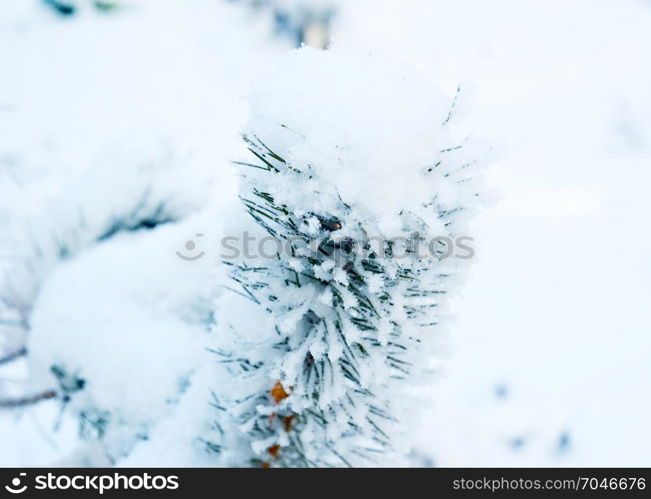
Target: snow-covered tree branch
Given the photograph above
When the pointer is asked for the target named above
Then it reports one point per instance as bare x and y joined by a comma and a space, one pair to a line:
357, 171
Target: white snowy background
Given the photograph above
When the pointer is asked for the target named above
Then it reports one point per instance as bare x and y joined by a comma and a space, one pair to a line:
551, 357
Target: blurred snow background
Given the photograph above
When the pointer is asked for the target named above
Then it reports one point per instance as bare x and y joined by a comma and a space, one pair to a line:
552, 354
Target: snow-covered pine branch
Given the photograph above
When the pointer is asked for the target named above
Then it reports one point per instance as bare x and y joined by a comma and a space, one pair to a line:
107, 301
356, 161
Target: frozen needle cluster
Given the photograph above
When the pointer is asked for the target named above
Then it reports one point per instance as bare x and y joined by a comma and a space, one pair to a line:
357, 170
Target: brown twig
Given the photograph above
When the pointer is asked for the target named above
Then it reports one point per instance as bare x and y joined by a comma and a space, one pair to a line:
25, 401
